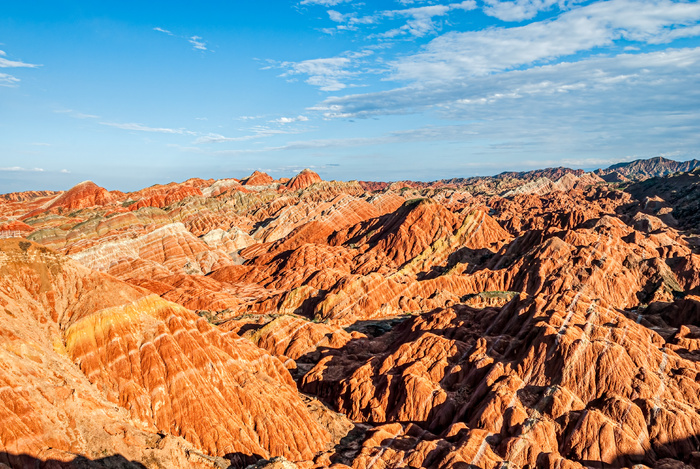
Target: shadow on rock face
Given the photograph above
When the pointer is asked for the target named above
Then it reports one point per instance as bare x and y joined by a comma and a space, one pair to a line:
241, 460
24, 461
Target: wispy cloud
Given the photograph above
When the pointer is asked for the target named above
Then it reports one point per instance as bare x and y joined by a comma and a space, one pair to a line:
256, 133
8, 80
427, 133
519, 10
20, 169
144, 128
652, 78
6, 63
329, 74
290, 120
642, 104
76, 114
196, 41
163, 31
454, 56
325, 3
419, 21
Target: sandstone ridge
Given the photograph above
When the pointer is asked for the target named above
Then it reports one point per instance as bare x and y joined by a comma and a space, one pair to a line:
547, 318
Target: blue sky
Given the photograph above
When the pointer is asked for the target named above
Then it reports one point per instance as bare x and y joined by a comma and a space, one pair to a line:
130, 94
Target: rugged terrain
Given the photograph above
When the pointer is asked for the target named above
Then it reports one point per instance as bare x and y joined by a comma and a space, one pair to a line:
542, 319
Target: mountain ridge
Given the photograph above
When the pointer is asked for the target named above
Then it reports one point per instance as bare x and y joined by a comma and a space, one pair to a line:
539, 319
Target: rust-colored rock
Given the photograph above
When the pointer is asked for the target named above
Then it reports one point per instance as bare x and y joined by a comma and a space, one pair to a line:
161, 368
258, 178
303, 180
538, 319
86, 194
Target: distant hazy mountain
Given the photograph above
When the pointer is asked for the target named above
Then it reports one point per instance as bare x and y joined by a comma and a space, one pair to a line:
644, 169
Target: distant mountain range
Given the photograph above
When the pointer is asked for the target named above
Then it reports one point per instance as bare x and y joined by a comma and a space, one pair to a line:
632, 171
644, 169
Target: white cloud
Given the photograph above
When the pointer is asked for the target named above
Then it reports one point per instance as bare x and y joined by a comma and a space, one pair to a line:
336, 16
519, 10
642, 104
421, 22
455, 56
163, 31
419, 19
217, 138
8, 80
20, 169
5, 63
328, 74
257, 133
289, 120
325, 3
144, 128
653, 78
197, 43
65, 171
76, 114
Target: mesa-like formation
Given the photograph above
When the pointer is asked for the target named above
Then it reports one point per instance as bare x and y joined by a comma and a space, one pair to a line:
542, 319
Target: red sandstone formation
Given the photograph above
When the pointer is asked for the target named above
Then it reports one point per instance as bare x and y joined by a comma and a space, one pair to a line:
14, 229
131, 365
258, 178
303, 180
166, 197
85, 194
541, 319
28, 195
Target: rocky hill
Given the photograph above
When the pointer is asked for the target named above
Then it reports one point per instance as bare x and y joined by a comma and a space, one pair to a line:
644, 169
542, 319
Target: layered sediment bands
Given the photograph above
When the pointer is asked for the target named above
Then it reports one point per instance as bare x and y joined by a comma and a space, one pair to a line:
431, 247
291, 338
142, 364
257, 179
541, 319
166, 197
581, 382
48, 408
171, 247
178, 374
303, 180
14, 229
85, 194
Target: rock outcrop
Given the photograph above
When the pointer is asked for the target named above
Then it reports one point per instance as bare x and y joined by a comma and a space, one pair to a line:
652, 167
86, 194
303, 180
549, 318
92, 364
258, 178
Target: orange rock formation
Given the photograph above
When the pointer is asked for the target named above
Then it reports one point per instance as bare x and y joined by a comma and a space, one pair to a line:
542, 319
